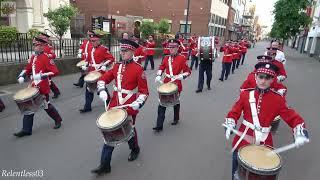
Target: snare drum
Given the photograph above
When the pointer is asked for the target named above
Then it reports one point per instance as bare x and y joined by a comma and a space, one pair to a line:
168, 94
29, 100
116, 126
256, 163
275, 124
91, 79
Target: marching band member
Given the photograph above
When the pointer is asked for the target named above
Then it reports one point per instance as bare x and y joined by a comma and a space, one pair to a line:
85, 47
260, 106
282, 75
194, 53
99, 59
40, 68
226, 61
48, 49
129, 76
139, 54
244, 51
279, 54
166, 50
175, 69
150, 45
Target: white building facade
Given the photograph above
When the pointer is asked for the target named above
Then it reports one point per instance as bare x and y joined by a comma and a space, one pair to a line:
218, 20
312, 46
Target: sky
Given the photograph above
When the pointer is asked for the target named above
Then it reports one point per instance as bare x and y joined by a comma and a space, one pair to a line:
264, 9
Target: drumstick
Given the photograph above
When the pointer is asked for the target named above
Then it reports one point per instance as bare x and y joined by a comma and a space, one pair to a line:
247, 138
105, 106
283, 148
123, 106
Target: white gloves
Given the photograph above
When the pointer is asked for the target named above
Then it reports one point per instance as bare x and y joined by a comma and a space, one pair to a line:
37, 77
158, 79
280, 78
103, 95
179, 77
230, 124
84, 68
282, 91
135, 105
21, 80
300, 135
103, 68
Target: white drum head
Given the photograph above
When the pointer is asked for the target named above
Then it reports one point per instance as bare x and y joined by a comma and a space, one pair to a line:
92, 76
168, 88
112, 118
25, 93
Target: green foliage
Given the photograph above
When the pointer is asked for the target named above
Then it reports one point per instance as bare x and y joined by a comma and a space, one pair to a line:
60, 18
8, 34
33, 33
290, 17
147, 28
163, 26
104, 36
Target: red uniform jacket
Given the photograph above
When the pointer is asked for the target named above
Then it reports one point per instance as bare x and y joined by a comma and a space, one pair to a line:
99, 55
139, 52
84, 45
194, 49
152, 44
269, 105
132, 78
165, 48
244, 48
227, 54
250, 82
282, 70
236, 54
49, 51
179, 65
42, 64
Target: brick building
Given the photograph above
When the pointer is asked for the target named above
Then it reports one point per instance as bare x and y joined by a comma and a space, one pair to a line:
127, 15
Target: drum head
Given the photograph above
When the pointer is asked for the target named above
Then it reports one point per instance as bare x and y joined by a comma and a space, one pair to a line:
168, 88
26, 93
259, 158
111, 119
81, 63
92, 76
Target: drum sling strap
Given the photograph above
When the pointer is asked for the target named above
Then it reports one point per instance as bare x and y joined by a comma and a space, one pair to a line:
119, 88
86, 50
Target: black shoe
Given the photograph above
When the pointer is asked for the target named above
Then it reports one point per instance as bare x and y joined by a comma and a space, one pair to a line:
134, 154
57, 125
157, 129
209, 88
78, 85
101, 169
221, 79
175, 122
199, 91
55, 96
22, 134
85, 110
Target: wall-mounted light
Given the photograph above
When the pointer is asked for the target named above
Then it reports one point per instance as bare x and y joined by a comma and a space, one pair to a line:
118, 12
150, 10
201, 8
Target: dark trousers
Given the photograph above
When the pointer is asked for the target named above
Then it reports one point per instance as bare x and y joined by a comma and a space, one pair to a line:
81, 79
194, 61
238, 62
234, 163
243, 57
2, 106
88, 99
28, 119
234, 62
54, 88
205, 67
225, 70
149, 58
162, 114
107, 150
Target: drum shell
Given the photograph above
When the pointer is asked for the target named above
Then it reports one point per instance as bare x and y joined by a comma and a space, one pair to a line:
206, 49
92, 85
119, 134
248, 172
30, 105
169, 99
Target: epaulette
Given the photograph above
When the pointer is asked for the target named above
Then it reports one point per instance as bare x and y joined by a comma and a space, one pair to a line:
276, 92
247, 89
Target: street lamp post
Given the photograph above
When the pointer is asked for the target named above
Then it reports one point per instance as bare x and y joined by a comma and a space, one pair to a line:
187, 17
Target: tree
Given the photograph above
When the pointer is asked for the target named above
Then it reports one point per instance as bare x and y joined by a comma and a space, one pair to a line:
60, 19
147, 28
163, 26
290, 17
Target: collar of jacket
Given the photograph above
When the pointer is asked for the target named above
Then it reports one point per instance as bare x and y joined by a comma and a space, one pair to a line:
262, 91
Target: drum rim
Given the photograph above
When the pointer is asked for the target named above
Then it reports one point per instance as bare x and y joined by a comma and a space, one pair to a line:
259, 171
93, 81
126, 118
79, 63
167, 93
26, 99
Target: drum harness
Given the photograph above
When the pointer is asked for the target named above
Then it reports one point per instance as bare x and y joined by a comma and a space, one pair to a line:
170, 75
36, 82
261, 133
95, 65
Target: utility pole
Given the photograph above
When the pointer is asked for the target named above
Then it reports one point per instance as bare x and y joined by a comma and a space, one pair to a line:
187, 17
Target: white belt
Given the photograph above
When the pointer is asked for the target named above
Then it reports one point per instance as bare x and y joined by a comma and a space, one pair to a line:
228, 55
169, 76
253, 127
124, 91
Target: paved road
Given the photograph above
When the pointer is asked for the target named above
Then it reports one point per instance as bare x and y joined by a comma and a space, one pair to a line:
195, 149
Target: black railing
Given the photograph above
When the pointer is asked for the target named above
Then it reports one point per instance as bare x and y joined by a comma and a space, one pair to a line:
21, 50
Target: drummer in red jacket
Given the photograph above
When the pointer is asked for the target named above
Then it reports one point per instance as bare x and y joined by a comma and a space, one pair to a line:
260, 106
150, 45
226, 61
139, 54
99, 60
128, 76
175, 69
39, 68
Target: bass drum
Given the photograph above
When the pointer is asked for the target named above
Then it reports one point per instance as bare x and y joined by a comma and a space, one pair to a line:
206, 48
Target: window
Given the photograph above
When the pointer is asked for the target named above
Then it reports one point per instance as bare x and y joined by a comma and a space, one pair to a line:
170, 27
182, 28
